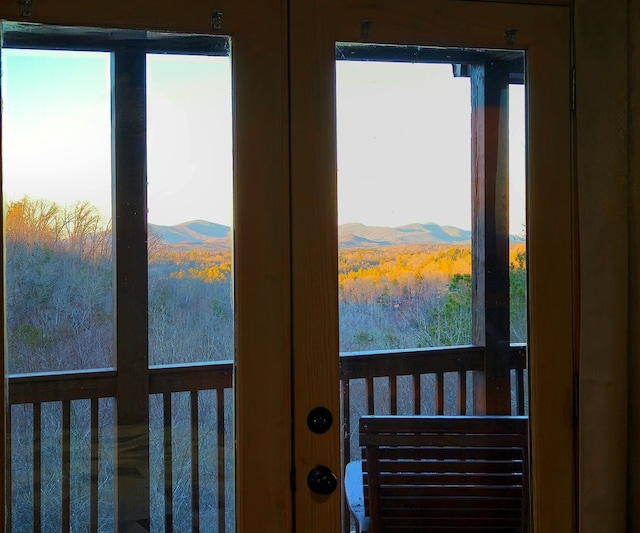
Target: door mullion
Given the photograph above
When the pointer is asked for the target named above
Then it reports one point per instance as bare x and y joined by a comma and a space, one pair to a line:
131, 339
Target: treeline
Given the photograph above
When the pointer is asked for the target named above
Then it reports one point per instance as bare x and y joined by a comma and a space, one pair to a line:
60, 294
59, 301
59, 272
414, 296
59, 286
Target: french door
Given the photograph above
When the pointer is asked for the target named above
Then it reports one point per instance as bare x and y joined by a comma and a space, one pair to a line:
217, 353
341, 173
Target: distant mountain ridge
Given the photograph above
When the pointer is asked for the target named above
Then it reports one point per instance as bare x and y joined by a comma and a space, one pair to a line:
192, 232
352, 235
356, 234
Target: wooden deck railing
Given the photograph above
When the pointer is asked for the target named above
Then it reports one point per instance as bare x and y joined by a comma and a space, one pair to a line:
60, 473
207, 389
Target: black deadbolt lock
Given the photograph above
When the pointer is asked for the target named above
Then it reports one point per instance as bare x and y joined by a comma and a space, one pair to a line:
321, 480
319, 419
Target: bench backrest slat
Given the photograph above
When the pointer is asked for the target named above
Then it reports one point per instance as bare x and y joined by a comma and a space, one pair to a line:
435, 472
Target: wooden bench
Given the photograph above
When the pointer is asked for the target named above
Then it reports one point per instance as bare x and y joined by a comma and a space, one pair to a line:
440, 473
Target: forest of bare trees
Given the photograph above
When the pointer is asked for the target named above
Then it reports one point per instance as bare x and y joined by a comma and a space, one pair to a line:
60, 302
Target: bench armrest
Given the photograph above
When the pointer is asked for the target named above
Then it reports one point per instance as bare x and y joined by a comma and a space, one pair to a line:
355, 495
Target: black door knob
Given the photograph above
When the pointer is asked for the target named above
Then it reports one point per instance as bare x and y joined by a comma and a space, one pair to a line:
319, 419
322, 480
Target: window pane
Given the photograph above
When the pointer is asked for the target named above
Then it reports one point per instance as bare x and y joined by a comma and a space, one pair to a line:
432, 241
404, 200
57, 193
189, 197
190, 203
517, 214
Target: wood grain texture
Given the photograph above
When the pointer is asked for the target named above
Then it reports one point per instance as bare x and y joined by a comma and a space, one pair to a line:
131, 357
544, 32
315, 257
435, 472
262, 267
550, 267
602, 149
633, 466
261, 226
490, 240
528, 2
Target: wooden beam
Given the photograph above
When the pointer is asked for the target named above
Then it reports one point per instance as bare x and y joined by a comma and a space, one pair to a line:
490, 241
131, 353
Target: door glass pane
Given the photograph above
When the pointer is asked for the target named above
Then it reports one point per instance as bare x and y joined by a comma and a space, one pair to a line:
86, 124
189, 202
57, 192
56, 163
190, 285
432, 242
517, 210
404, 192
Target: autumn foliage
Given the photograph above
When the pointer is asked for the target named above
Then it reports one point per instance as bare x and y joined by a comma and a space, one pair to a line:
60, 293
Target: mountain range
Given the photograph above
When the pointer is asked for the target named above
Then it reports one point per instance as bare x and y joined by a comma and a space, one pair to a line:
352, 235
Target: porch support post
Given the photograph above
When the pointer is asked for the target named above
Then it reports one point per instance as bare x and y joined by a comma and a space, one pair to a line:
490, 241
129, 164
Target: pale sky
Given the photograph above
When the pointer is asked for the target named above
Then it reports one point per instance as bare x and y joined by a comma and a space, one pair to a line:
403, 138
404, 145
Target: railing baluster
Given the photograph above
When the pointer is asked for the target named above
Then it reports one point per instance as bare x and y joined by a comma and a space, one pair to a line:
195, 463
8, 470
440, 393
346, 422
37, 390
221, 461
520, 390
345, 449
168, 463
393, 395
95, 463
370, 398
462, 392
37, 467
66, 465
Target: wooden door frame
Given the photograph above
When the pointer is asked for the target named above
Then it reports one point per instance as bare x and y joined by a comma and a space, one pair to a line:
544, 32
260, 233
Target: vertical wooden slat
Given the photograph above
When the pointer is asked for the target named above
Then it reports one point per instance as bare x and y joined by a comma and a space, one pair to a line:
95, 464
370, 396
345, 446
490, 237
195, 463
129, 164
346, 422
373, 471
393, 395
314, 252
551, 274
417, 394
261, 212
66, 465
439, 393
168, 461
9, 469
462, 392
37, 467
520, 391
221, 461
